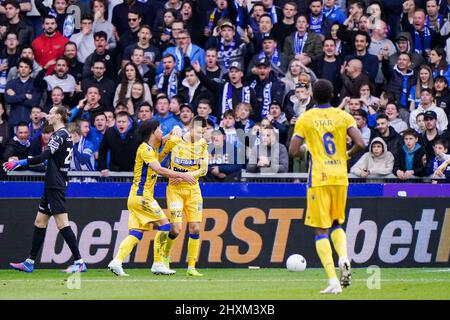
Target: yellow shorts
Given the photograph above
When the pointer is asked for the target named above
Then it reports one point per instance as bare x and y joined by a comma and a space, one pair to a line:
325, 205
143, 211
189, 201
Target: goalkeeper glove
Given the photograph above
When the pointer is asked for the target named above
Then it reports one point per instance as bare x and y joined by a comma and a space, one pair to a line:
14, 164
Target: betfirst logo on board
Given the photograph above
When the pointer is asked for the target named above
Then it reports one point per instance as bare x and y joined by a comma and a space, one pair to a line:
265, 236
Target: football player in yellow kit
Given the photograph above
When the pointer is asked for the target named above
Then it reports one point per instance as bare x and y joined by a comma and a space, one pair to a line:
325, 130
189, 153
143, 208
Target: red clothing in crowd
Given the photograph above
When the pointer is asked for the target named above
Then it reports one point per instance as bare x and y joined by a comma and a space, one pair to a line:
48, 48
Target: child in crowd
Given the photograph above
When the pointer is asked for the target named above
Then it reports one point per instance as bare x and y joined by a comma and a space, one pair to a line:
411, 159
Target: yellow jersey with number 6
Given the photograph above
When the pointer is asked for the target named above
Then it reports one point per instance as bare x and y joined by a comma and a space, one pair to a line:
324, 130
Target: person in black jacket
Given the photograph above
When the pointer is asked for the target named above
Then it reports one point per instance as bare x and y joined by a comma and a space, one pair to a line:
267, 88
121, 141
411, 159
18, 148
388, 134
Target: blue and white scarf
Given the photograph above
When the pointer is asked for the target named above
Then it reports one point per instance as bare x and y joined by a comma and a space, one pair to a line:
227, 96
3, 76
212, 17
180, 57
172, 88
328, 12
81, 149
26, 144
239, 18
440, 22
69, 26
419, 47
275, 59
267, 97
226, 54
273, 13
315, 24
299, 42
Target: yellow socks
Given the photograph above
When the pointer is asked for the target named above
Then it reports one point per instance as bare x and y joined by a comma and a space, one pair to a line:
159, 245
169, 244
323, 248
128, 244
193, 247
339, 241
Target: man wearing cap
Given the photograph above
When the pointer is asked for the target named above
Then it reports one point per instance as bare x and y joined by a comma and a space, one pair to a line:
229, 48
278, 60
427, 104
431, 134
230, 93
267, 88
403, 44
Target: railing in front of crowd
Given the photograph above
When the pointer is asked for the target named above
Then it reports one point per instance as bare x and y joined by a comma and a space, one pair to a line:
126, 177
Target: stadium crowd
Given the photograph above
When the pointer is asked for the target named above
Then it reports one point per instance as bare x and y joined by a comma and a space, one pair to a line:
247, 67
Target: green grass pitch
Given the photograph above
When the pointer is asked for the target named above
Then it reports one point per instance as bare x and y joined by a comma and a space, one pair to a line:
219, 284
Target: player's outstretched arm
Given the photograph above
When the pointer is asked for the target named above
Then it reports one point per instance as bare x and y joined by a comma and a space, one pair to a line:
156, 166
358, 142
14, 164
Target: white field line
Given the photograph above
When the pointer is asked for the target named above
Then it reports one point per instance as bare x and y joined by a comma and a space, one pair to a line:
169, 279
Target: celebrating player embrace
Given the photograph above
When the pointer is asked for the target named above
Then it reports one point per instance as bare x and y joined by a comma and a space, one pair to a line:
325, 130
144, 210
189, 154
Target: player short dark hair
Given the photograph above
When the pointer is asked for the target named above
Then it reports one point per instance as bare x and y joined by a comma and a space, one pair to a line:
100, 34
323, 91
64, 113
198, 119
147, 128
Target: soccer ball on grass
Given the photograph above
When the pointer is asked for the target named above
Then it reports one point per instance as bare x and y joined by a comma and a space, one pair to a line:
296, 262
